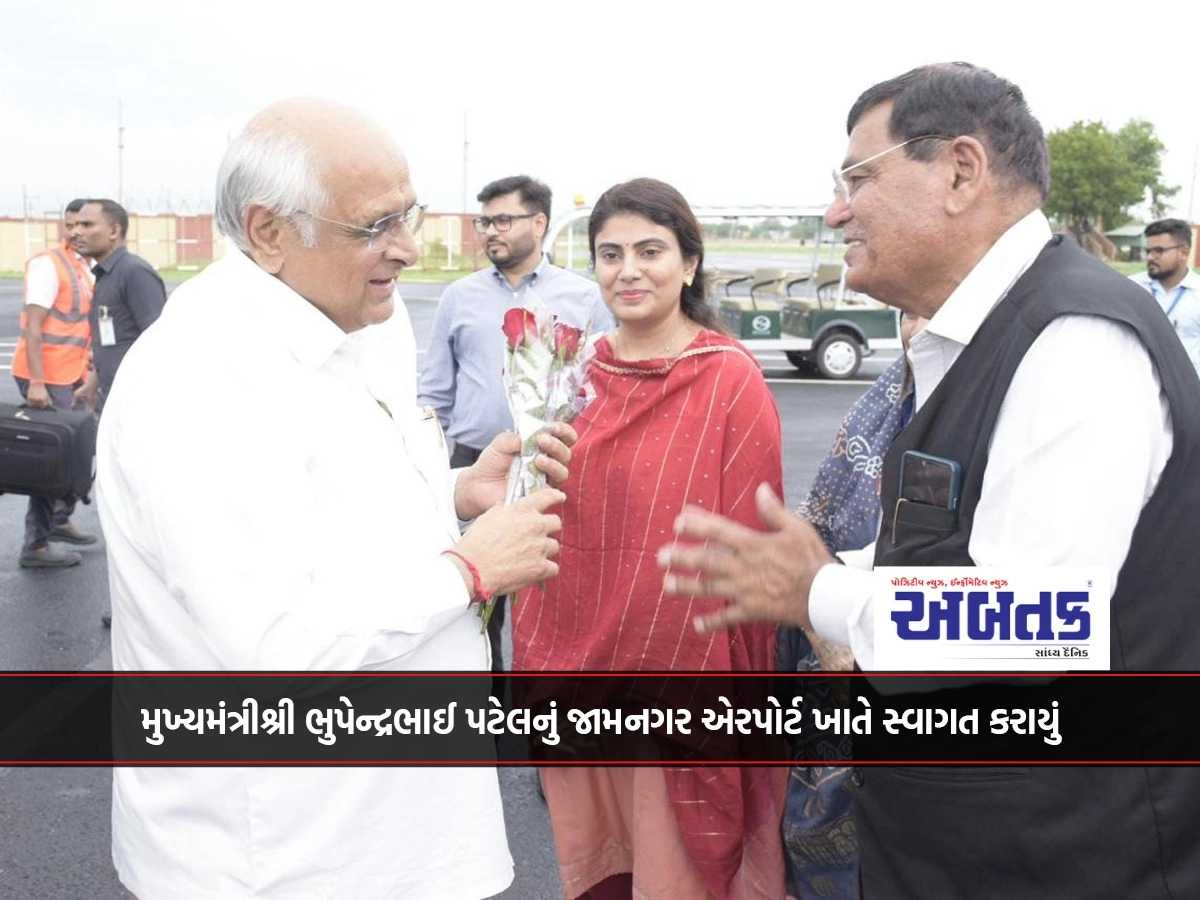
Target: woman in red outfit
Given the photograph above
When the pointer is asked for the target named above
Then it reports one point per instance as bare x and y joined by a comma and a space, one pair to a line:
682, 415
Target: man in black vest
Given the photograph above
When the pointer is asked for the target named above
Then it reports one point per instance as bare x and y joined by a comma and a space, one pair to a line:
939, 198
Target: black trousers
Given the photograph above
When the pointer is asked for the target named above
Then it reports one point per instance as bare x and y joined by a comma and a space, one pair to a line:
463, 456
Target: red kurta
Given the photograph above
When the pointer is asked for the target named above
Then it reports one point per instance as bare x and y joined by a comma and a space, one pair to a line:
702, 429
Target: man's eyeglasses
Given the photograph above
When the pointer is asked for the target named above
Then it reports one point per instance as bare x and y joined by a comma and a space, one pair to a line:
387, 229
842, 190
1156, 252
503, 222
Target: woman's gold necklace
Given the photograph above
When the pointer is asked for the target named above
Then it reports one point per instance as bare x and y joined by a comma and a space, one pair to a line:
681, 340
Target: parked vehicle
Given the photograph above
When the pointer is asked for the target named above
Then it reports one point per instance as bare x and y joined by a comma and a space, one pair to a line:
826, 339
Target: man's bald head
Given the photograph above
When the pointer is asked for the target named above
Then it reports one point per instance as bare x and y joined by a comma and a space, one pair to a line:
326, 128
301, 192
286, 158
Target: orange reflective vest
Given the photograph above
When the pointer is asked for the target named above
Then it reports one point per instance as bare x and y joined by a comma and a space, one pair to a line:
66, 335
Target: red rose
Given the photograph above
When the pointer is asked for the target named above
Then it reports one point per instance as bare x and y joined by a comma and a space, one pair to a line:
566, 340
520, 326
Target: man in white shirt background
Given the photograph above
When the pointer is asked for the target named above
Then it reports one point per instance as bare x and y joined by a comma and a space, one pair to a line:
359, 565
939, 199
1171, 281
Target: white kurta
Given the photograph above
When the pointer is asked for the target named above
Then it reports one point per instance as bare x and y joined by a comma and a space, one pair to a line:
262, 511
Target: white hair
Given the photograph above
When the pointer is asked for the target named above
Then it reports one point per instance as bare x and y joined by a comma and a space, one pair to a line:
271, 169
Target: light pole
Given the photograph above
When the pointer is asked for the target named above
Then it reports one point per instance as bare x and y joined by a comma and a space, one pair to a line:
466, 146
120, 154
1192, 192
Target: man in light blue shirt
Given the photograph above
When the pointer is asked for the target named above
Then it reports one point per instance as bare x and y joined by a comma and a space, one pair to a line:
1169, 280
461, 374
460, 377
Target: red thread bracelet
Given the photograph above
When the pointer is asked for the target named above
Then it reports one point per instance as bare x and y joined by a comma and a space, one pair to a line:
481, 594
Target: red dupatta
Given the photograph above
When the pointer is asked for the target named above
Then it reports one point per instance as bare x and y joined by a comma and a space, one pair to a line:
700, 429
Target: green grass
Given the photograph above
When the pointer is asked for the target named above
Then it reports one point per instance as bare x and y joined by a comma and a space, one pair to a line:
775, 248
181, 274
435, 275
1128, 268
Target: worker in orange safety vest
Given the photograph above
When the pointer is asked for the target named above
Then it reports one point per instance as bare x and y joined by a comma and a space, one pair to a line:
50, 364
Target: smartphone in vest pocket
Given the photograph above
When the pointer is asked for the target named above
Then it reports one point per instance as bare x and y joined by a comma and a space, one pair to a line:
932, 480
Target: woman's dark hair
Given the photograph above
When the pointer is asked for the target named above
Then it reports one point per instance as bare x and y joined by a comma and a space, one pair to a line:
663, 205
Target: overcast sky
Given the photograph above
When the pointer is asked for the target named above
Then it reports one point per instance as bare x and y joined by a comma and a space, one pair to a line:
739, 102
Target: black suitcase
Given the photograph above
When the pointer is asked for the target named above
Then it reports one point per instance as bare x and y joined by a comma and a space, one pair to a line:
47, 452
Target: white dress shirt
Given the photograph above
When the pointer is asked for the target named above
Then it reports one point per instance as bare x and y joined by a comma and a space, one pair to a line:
1080, 442
262, 510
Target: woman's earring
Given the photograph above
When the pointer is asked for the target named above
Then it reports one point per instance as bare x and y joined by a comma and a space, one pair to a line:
689, 278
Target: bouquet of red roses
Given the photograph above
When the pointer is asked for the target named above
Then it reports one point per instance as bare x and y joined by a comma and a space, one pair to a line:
545, 380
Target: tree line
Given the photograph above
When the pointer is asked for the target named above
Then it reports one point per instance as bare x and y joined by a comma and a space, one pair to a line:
1097, 177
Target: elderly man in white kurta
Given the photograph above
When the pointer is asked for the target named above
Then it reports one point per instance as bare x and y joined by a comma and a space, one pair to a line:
272, 498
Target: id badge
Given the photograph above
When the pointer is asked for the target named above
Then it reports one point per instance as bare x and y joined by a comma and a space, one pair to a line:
108, 333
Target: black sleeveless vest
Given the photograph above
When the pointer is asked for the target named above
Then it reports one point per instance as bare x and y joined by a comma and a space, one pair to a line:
1050, 832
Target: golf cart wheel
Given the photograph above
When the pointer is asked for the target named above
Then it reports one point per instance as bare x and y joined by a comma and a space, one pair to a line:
839, 356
